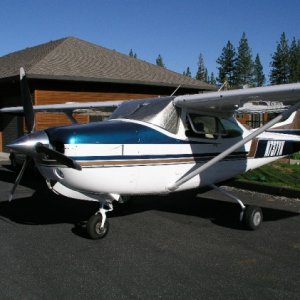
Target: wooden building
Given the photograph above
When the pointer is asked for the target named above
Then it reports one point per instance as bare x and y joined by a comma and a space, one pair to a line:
73, 70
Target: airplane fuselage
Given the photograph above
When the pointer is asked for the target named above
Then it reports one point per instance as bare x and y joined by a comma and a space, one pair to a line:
146, 147
129, 157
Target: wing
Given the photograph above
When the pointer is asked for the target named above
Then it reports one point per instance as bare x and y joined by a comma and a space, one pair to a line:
66, 108
227, 102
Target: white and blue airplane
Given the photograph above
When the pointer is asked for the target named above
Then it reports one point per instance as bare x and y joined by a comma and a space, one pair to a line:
157, 146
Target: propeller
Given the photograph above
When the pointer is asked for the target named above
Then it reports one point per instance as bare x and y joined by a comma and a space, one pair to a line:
20, 175
32, 144
29, 123
27, 102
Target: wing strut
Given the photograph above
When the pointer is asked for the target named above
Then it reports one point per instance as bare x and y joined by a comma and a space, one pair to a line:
282, 117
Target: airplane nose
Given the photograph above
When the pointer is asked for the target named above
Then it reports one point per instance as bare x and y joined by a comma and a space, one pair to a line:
26, 144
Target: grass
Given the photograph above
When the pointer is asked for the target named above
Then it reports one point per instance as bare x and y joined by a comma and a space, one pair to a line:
280, 174
296, 155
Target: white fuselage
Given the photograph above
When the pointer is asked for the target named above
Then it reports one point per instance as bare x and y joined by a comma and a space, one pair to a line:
148, 145
149, 168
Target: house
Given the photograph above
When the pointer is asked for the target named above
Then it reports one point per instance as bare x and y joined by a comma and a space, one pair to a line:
74, 70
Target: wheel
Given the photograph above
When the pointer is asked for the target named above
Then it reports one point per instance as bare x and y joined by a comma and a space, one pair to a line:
94, 229
253, 217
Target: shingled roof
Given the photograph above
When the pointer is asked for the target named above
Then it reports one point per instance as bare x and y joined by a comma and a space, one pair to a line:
74, 59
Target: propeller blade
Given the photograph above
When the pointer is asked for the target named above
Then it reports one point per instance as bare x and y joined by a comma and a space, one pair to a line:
20, 175
27, 102
59, 157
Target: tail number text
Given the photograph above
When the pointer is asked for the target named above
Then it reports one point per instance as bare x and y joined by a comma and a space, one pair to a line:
274, 148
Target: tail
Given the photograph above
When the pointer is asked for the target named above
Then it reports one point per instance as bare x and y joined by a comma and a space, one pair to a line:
289, 126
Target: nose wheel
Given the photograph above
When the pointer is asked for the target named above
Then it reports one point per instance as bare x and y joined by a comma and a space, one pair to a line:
97, 226
95, 229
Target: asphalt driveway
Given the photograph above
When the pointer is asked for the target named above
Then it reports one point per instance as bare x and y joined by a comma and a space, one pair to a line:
176, 247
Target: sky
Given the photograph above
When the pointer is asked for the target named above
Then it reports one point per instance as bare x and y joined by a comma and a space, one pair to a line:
177, 30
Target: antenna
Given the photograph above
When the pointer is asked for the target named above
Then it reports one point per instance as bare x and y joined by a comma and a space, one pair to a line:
223, 86
176, 90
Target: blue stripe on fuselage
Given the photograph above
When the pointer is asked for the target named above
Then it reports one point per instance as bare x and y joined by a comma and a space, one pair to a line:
110, 132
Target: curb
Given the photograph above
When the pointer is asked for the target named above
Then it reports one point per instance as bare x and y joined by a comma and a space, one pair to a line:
265, 189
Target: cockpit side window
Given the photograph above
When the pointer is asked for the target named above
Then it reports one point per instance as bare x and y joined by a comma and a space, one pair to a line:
202, 126
211, 127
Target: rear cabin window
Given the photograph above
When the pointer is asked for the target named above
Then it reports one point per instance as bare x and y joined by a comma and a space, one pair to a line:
230, 128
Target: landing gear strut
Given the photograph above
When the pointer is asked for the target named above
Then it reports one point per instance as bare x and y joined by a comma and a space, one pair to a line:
251, 216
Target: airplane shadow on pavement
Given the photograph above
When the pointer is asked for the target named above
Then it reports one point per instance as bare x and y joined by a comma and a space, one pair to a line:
44, 207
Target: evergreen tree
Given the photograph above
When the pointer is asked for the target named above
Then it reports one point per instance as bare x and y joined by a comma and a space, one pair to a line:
159, 61
259, 78
295, 61
132, 54
280, 65
244, 63
206, 76
200, 75
212, 79
227, 65
187, 72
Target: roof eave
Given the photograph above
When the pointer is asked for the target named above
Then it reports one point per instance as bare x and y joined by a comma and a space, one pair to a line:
120, 81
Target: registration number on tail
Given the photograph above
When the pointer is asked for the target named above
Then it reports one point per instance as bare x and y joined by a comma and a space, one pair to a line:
274, 148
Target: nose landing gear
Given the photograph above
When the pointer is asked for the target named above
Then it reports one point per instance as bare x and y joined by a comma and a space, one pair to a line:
97, 225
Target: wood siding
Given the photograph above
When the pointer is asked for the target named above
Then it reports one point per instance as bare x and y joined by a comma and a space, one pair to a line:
56, 97
45, 120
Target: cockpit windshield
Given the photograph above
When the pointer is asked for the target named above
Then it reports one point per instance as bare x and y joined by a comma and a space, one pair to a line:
158, 111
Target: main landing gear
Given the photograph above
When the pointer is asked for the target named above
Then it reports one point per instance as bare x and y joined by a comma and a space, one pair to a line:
251, 216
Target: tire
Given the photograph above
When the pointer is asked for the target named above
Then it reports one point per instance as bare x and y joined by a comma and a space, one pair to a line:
253, 217
93, 227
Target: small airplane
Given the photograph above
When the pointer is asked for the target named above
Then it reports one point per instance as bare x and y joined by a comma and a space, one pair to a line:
156, 146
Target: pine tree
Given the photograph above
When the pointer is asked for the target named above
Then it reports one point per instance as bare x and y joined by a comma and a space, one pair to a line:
159, 61
280, 65
294, 61
212, 79
206, 76
132, 54
187, 72
227, 65
244, 63
200, 75
259, 78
